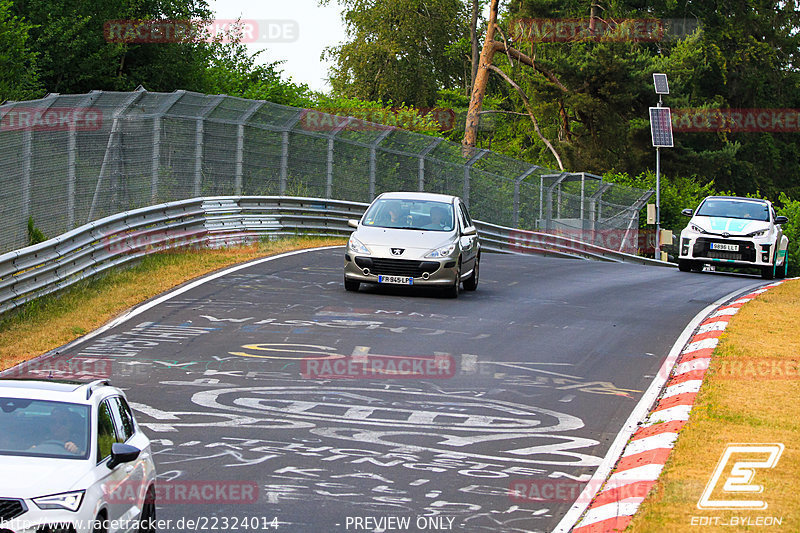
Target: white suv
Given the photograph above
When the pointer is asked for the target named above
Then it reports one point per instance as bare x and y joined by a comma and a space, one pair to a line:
735, 231
66, 449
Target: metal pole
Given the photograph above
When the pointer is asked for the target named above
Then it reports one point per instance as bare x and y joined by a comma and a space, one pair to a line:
284, 161
329, 177
658, 198
658, 204
71, 176
373, 161
27, 154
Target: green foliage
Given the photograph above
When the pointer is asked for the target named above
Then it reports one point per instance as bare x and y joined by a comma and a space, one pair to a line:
35, 235
402, 51
232, 71
19, 79
75, 57
791, 209
592, 104
677, 194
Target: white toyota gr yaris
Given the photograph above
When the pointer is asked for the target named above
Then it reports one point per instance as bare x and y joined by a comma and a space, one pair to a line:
737, 232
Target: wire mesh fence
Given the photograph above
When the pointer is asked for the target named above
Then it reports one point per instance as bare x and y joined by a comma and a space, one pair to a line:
66, 160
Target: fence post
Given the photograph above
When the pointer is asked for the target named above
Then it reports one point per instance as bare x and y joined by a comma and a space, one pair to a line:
110, 144
27, 162
285, 150
517, 183
240, 145
329, 170
422, 155
156, 164
467, 166
373, 161
27, 153
199, 133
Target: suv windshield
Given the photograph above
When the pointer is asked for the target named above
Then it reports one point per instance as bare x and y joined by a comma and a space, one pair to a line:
40, 428
727, 208
410, 214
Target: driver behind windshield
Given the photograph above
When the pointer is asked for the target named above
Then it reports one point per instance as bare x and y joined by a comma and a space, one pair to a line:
64, 428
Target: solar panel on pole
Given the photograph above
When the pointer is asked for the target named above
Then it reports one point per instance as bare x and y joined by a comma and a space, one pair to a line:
661, 127
660, 81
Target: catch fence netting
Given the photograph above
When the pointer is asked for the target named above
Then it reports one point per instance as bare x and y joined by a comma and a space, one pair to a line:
66, 160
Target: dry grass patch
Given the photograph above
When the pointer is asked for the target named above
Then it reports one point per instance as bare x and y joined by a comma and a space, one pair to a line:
747, 397
54, 320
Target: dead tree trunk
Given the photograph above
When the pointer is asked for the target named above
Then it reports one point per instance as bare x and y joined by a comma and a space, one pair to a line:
473, 38
481, 77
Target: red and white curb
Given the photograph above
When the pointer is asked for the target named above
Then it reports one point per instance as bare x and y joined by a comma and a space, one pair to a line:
646, 453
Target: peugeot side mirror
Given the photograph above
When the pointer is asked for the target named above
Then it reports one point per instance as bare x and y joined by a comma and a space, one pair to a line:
781, 220
352, 223
687, 212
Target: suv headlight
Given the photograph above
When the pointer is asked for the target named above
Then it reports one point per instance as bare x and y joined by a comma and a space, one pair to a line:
71, 501
697, 229
759, 233
357, 247
441, 252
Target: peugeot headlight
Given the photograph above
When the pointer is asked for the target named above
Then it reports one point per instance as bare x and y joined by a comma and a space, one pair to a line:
444, 251
71, 501
357, 247
759, 233
697, 229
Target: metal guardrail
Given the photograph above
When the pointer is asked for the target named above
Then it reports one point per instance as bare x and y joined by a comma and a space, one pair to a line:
95, 247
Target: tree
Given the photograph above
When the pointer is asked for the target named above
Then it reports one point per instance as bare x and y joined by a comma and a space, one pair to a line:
402, 51
591, 94
74, 55
19, 79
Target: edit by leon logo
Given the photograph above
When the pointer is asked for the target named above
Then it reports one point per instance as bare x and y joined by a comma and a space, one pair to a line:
739, 480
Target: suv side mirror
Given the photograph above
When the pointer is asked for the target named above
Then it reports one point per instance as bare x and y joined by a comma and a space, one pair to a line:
781, 220
687, 212
122, 453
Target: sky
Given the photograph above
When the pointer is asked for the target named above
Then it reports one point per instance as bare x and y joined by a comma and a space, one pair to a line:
296, 31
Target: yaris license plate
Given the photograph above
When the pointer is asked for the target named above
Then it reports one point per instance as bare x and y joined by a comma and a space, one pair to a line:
724, 247
398, 280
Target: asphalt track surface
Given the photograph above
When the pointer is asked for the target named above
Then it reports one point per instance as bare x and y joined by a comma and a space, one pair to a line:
548, 357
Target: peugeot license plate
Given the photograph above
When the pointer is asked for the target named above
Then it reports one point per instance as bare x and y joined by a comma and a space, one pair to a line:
397, 280
722, 247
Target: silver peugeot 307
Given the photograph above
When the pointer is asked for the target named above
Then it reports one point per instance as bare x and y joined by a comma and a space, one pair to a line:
413, 238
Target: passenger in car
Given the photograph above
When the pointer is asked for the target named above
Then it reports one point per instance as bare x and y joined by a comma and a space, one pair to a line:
439, 219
